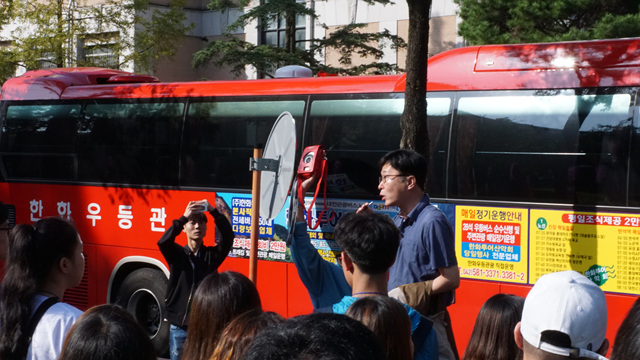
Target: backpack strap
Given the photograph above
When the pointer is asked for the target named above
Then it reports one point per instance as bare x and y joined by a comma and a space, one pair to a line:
37, 315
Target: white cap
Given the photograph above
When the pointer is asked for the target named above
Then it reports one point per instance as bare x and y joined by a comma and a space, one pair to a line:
565, 314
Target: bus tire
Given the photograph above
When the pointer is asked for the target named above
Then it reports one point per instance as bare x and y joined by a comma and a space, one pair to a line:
142, 293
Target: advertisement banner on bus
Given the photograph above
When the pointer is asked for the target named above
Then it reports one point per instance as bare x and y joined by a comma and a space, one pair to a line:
520, 245
603, 246
491, 243
273, 233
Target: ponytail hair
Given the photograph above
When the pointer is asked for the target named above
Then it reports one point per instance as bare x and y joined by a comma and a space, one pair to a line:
33, 253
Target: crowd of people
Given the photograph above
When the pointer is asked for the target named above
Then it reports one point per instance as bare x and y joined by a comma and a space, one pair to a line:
386, 298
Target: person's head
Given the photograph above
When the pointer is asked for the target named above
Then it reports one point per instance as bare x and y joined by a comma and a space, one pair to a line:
51, 248
492, 336
564, 314
368, 240
218, 299
388, 319
325, 336
5, 228
241, 331
45, 255
196, 227
107, 332
627, 342
403, 173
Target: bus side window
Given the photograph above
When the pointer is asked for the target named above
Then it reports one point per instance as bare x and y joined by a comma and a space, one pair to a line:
542, 146
439, 109
219, 139
634, 170
39, 141
131, 143
357, 132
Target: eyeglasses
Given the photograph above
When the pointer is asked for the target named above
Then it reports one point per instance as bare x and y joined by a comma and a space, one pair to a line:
389, 178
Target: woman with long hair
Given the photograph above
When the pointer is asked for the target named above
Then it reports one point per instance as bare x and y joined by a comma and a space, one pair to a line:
492, 336
218, 299
44, 260
388, 319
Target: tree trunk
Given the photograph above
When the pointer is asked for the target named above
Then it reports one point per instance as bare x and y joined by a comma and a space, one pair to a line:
290, 31
414, 118
57, 43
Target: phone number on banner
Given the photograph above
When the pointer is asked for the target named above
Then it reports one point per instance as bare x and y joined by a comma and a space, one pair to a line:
492, 274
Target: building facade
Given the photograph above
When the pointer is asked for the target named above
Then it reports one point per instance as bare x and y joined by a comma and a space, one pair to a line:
211, 25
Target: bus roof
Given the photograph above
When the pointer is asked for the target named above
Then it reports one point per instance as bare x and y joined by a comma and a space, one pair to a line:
56, 84
598, 63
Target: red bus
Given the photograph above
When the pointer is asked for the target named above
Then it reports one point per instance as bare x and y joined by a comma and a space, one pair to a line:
533, 149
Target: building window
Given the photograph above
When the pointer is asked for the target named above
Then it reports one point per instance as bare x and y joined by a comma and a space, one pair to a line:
273, 32
103, 55
99, 50
47, 61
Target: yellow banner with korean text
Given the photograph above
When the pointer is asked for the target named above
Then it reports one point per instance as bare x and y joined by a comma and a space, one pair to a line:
605, 247
491, 243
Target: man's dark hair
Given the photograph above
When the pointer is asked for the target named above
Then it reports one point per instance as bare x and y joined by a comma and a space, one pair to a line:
318, 336
371, 240
198, 217
407, 162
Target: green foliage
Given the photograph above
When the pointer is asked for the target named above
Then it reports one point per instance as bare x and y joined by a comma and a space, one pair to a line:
611, 26
268, 12
162, 31
52, 33
347, 40
525, 21
235, 54
6, 10
7, 67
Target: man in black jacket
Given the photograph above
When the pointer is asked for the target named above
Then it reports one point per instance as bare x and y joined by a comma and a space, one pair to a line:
188, 265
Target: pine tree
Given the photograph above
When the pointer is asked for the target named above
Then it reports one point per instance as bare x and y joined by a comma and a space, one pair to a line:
528, 21
346, 41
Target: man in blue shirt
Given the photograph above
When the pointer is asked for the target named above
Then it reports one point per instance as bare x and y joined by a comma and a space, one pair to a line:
425, 273
330, 285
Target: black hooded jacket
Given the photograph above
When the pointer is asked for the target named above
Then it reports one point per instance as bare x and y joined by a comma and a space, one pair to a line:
186, 269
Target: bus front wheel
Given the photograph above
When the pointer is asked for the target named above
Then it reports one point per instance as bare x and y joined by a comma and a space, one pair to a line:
142, 293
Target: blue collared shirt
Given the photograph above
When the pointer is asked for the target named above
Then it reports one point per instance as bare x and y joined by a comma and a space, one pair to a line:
427, 245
